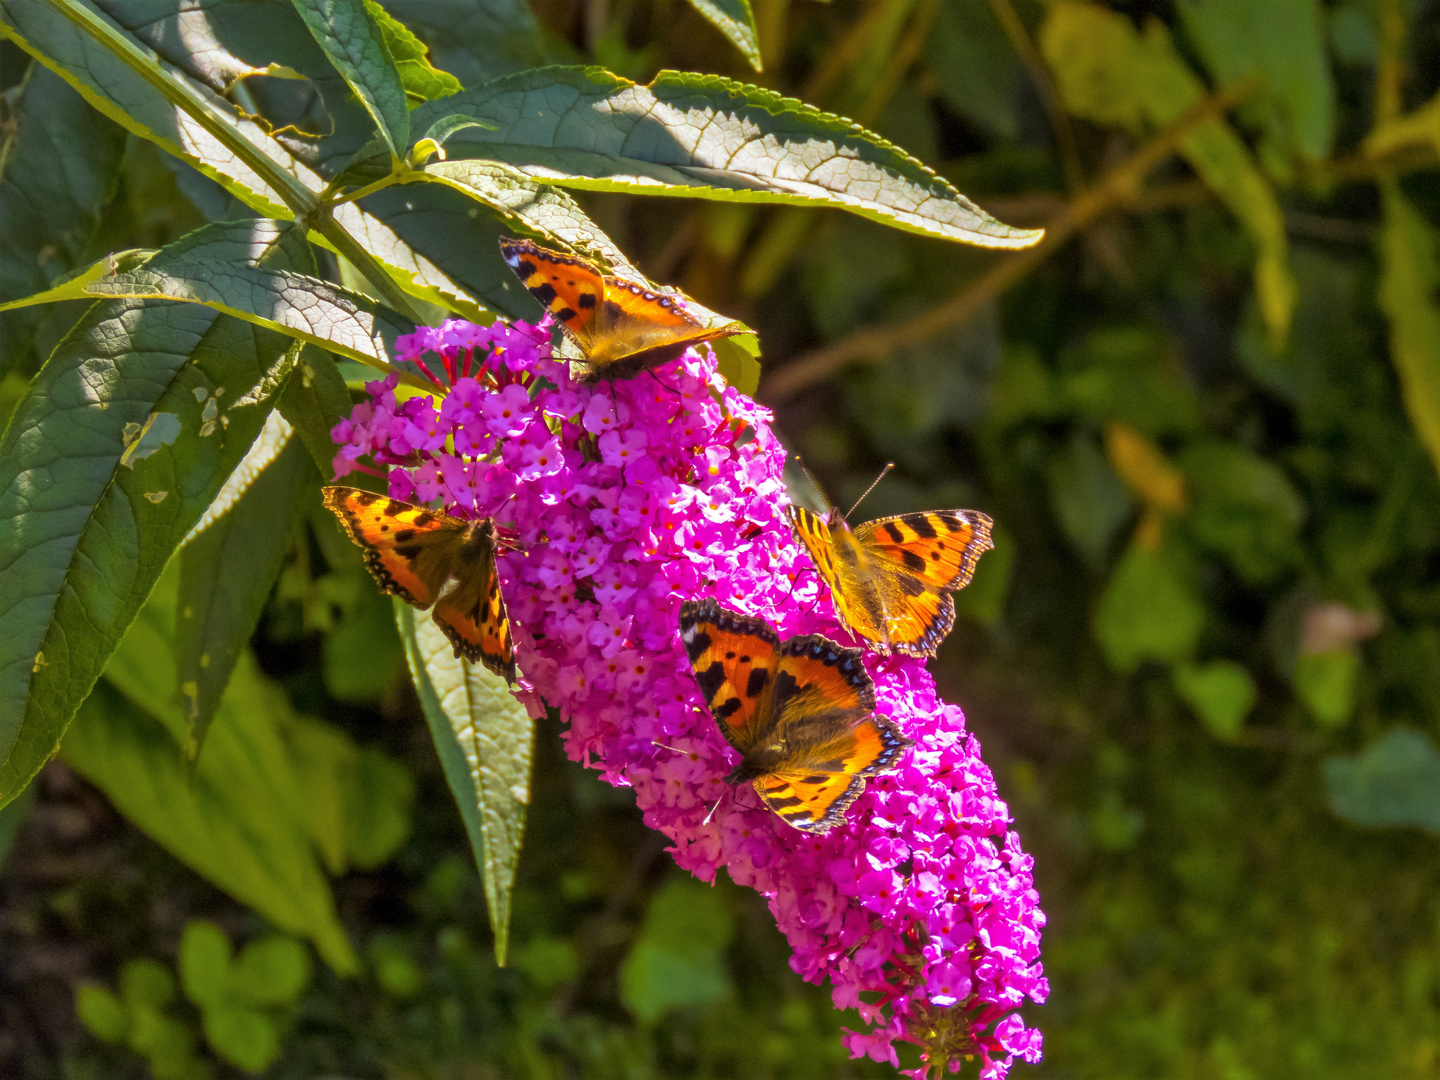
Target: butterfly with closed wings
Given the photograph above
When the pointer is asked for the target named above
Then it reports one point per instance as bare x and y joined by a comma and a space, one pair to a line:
891, 579
801, 712
622, 328
432, 560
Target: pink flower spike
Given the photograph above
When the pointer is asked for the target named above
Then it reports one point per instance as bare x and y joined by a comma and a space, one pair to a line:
625, 500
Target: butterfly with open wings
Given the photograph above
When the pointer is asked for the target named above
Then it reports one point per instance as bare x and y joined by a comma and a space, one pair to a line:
432, 560
801, 712
891, 579
622, 328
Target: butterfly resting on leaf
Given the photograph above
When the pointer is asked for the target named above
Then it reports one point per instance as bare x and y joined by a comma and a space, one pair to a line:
801, 712
432, 560
891, 579
622, 328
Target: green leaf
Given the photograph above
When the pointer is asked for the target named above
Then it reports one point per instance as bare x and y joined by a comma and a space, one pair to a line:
64, 156
225, 577
975, 67
273, 970
95, 500
736, 21
1148, 611
242, 1036
477, 40
421, 81
314, 400
1325, 682
677, 960
202, 268
709, 137
1244, 507
146, 982
380, 817
1108, 72
346, 31
1282, 41
485, 739
237, 816
204, 963
101, 1012
1090, 501
169, 112
1408, 285
13, 816
1221, 692
1395, 781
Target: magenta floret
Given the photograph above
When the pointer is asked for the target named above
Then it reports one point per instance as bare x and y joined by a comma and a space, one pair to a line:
626, 499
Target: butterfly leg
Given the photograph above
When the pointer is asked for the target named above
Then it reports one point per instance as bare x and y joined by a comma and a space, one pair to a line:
796, 580
662, 382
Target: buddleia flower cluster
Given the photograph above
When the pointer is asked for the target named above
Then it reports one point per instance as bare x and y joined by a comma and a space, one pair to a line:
626, 499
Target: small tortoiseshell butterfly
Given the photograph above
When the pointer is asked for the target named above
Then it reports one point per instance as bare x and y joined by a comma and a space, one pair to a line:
891, 579
621, 328
428, 558
801, 713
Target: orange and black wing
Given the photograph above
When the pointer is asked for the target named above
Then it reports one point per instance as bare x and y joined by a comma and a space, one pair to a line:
852, 594
409, 550
913, 563
620, 326
473, 615
734, 658
814, 788
412, 552
940, 547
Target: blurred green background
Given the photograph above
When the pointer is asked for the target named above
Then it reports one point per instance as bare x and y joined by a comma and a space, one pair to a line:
1204, 658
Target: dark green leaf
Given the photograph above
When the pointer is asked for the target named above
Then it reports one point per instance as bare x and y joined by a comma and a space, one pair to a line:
736, 21
709, 137
225, 577
94, 500
975, 68
60, 167
485, 739
13, 816
1090, 501
346, 31
161, 116
1395, 781
314, 400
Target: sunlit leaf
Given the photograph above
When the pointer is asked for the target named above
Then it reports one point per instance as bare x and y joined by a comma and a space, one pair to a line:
485, 739
736, 20
708, 137
347, 32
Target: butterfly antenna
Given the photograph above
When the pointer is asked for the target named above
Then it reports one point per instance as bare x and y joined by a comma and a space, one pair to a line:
676, 749
718, 801
813, 482
871, 488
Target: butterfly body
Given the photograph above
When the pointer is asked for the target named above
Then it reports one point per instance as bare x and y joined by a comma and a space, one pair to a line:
621, 327
432, 560
891, 579
801, 712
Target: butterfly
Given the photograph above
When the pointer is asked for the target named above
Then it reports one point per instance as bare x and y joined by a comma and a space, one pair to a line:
430, 559
621, 328
801, 712
891, 579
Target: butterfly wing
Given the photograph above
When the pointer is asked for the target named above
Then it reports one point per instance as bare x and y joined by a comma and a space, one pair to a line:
915, 561
841, 562
473, 616
813, 791
620, 326
734, 657
412, 552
